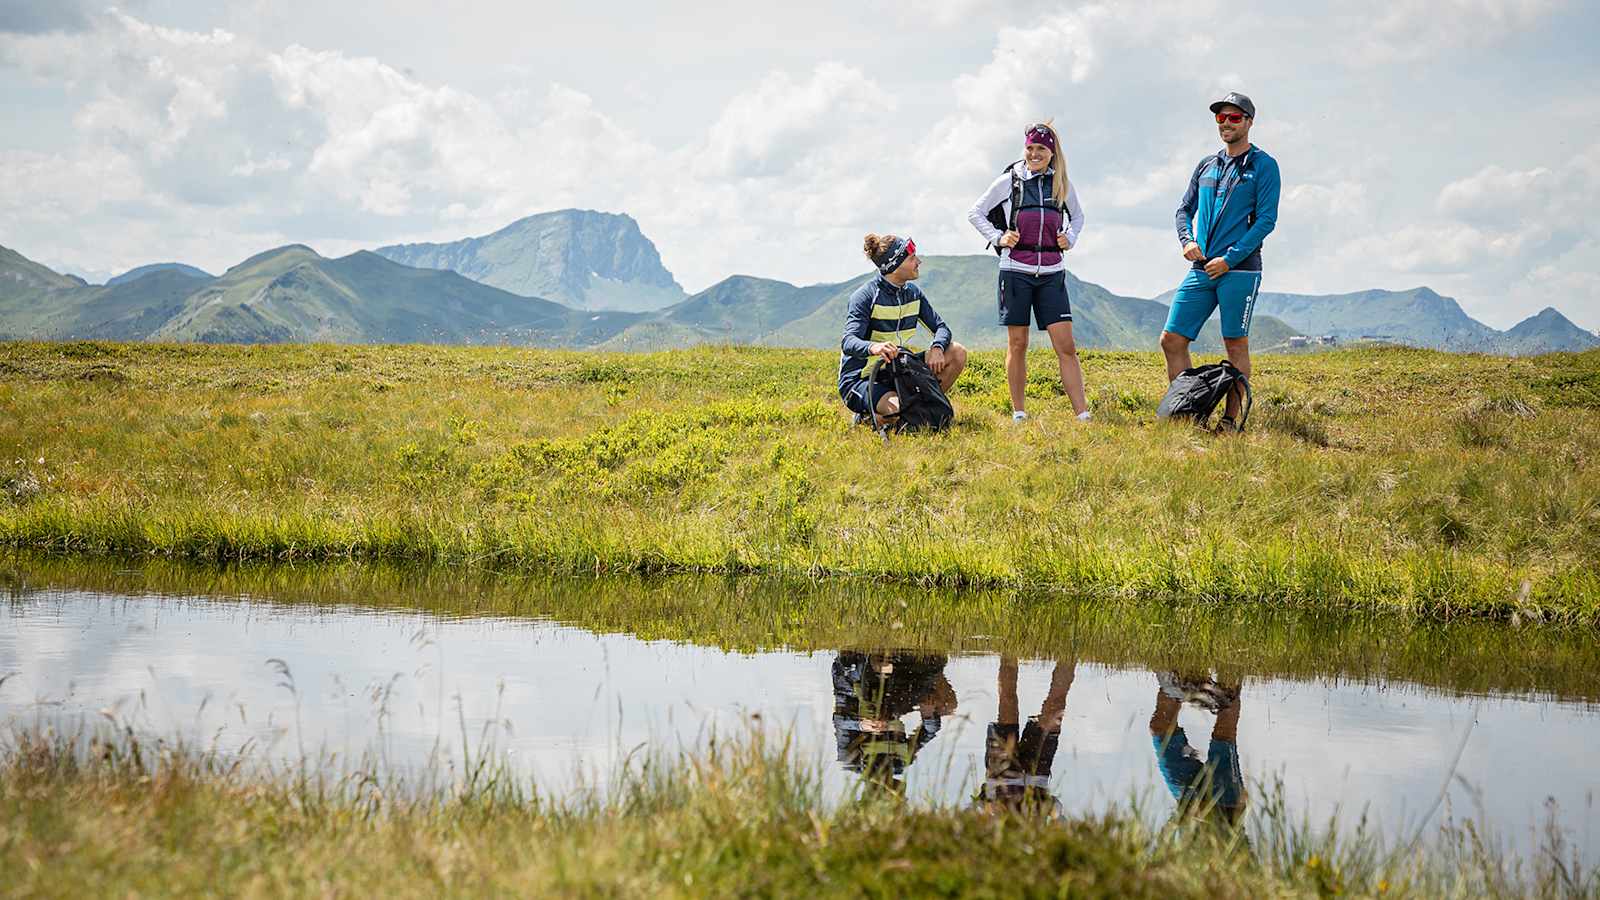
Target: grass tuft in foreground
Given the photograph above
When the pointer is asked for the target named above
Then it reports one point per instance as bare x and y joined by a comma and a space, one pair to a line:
112, 816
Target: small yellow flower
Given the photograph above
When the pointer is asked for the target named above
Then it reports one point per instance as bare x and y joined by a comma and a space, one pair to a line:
1313, 862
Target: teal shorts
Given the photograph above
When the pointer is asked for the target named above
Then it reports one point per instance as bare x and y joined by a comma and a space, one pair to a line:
1234, 292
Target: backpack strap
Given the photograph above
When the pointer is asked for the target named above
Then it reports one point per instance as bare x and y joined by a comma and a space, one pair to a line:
1016, 197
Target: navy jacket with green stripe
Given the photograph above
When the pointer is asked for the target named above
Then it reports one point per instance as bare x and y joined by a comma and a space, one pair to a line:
861, 329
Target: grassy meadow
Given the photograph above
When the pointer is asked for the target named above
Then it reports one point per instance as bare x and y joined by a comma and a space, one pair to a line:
113, 816
1441, 485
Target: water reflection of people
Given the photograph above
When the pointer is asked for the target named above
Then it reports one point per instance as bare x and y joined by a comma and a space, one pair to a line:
1212, 788
1017, 761
872, 693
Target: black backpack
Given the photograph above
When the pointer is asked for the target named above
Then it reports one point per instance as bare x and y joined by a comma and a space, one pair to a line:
1195, 393
997, 215
923, 404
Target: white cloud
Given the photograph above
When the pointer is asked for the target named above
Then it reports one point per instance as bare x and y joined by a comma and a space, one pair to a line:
1313, 202
1164, 183
1411, 30
1442, 248
1495, 191
772, 127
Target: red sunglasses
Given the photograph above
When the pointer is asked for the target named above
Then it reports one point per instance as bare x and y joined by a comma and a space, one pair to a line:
1235, 118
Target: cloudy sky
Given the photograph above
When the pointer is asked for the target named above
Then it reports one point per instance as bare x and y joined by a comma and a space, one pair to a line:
1451, 143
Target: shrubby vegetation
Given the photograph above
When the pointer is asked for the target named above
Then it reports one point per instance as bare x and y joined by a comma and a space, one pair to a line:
1437, 484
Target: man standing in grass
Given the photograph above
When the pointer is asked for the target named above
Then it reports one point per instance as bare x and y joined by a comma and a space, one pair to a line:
1227, 212
1212, 788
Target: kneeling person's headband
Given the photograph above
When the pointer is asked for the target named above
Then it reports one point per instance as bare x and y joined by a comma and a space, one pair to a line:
897, 253
1039, 134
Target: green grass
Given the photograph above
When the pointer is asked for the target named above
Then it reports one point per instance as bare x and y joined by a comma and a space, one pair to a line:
112, 816
1437, 485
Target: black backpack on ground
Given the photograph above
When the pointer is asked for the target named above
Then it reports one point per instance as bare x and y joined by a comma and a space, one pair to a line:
923, 404
1195, 393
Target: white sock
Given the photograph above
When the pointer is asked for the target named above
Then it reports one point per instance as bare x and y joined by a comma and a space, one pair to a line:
1018, 415
1085, 416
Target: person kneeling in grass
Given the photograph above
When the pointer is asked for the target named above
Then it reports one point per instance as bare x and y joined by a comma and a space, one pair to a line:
881, 322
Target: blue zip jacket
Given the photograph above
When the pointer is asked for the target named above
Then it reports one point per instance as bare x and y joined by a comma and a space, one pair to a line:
861, 328
1232, 205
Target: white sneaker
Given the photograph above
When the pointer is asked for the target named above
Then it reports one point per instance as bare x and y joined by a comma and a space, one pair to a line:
1018, 415
1085, 416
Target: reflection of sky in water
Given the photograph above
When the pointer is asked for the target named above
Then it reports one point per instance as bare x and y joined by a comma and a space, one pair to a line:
560, 700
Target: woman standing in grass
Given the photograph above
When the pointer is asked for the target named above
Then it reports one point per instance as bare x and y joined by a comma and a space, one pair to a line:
1043, 220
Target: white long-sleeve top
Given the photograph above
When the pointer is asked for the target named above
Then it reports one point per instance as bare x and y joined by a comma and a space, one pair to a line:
999, 192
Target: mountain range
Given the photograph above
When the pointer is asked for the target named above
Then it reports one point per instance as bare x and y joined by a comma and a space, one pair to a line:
605, 286
291, 294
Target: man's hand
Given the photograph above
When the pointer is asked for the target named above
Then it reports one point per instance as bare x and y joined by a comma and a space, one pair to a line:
1191, 252
1217, 268
886, 350
1061, 241
936, 360
1009, 239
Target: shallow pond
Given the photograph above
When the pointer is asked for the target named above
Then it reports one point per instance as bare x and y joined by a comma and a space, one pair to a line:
352, 668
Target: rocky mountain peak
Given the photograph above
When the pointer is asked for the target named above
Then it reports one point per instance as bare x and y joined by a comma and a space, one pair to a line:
583, 258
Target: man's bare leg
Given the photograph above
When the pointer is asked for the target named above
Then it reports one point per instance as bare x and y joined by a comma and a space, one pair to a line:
1176, 349
1238, 354
888, 406
955, 359
1164, 718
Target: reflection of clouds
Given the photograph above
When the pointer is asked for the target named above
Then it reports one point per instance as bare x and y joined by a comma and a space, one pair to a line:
577, 704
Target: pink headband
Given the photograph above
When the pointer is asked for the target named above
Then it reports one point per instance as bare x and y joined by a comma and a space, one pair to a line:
1038, 134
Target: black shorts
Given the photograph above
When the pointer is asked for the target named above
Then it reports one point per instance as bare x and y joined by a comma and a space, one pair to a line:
1006, 753
855, 395
1044, 295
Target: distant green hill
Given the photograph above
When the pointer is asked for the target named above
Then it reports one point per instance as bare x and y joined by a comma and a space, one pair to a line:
142, 271
1417, 317
18, 274
292, 294
1548, 331
61, 307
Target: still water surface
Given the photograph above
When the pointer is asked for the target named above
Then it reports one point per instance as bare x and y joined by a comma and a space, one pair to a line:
566, 705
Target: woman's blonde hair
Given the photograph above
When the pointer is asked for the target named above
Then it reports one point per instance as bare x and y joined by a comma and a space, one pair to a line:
1058, 182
